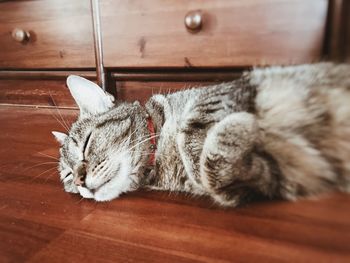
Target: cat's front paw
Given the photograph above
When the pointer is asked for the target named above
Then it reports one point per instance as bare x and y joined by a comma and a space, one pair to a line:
86, 193
227, 159
226, 150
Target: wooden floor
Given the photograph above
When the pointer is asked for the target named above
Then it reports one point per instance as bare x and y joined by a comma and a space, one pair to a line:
39, 222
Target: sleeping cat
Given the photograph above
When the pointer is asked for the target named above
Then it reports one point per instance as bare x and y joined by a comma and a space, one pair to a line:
278, 132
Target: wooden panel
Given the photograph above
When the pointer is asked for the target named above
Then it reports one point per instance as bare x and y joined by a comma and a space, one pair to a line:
39, 88
347, 32
61, 34
338, 30
48, 75
131, 86
36, 92
39, 222
142, 91
234, 33
179, 75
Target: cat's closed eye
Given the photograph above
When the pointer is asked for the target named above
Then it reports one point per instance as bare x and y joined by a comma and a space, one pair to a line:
86, 144
68, 174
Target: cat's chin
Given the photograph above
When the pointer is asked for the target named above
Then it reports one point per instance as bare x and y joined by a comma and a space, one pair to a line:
108, 191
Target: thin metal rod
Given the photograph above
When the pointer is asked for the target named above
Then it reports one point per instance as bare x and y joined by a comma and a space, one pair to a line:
96, 24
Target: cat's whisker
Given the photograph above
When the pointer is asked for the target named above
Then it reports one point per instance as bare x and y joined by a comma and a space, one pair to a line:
49, 156
129, 137
125, 143
53, 115
147, 153
58, 111
40, 164
81, 199
49, 176
143, 141
37, 176
139, 138
127, 140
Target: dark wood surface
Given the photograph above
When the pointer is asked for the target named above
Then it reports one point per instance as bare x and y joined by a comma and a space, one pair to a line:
234, 33
39, 222
61, 34
338, 30
141, 85
143, 90
39, 88
347, 32
44, 74
36, 92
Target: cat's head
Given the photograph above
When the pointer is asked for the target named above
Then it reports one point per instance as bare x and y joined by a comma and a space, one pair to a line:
106, 150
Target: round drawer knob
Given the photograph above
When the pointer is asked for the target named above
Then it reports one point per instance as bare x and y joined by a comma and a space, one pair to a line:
193, 20
20, 35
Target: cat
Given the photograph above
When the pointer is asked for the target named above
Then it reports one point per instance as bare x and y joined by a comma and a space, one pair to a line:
277, 132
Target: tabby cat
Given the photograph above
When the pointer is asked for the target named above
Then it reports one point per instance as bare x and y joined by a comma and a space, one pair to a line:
278, 132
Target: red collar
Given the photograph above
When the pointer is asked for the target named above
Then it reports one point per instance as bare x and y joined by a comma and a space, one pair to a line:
150, 127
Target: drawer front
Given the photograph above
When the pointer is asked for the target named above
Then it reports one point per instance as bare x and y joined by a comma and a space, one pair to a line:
47, 93
233, 32
39, 88
130, 86
136, 90
60, 34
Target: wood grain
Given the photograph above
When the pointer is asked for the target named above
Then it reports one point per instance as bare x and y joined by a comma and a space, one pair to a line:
61, 34
179, 75
51, 93
45, 75
337, 30
39, 222
142, 91
234, 33
347, 32
141, 85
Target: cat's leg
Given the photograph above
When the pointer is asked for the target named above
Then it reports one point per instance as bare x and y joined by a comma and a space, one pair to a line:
231, 166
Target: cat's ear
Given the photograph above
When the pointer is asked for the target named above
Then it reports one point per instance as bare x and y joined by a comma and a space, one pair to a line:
60, 137
90, 98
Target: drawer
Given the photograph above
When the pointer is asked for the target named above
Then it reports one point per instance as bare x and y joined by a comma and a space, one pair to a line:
130, 87
142, 91
39, 88
60, 34
233, 32
36, 92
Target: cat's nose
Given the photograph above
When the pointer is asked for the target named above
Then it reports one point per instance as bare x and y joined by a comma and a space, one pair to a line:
80, 175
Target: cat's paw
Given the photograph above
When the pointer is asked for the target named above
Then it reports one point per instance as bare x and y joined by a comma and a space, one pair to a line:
86, 193
226, 157
233, 136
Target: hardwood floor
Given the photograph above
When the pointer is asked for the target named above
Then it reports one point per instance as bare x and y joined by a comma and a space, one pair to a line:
39, 222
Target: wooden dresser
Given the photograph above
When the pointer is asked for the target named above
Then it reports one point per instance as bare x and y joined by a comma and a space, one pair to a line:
136, 48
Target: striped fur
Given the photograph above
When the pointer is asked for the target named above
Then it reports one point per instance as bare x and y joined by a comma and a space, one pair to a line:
279, 132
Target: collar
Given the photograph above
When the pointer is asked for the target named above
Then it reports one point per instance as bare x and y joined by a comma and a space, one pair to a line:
150, 127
